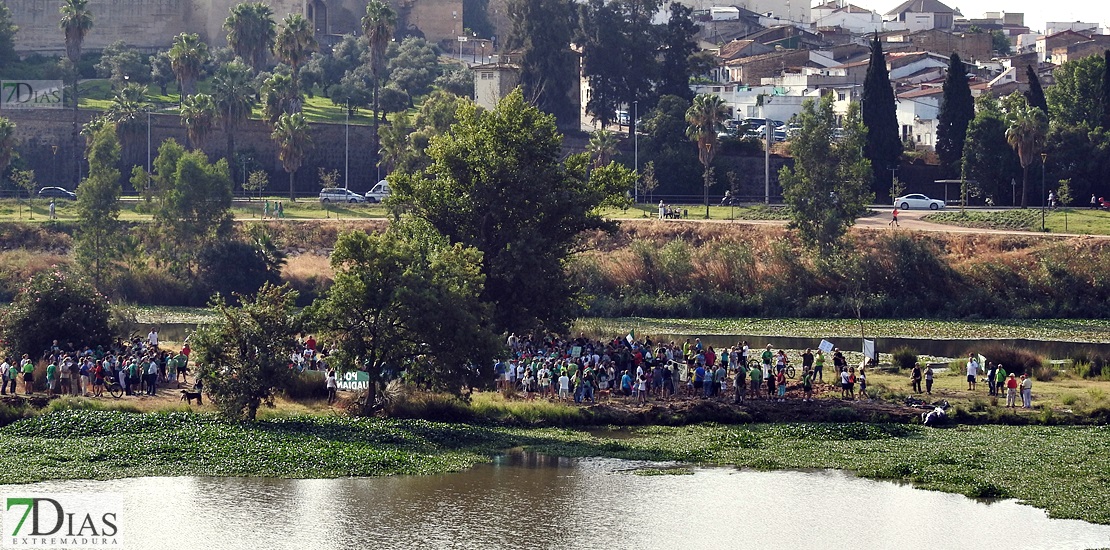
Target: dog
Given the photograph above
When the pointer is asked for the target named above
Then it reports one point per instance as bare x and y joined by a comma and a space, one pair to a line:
603, 395
189, 396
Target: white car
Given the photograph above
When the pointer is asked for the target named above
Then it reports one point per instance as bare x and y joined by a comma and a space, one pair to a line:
333, 194
918, 201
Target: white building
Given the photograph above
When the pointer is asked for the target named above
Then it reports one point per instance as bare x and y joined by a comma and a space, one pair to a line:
846, 16
917, 115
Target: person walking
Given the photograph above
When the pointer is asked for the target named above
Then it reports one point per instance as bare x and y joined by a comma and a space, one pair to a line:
332, 385
894, 218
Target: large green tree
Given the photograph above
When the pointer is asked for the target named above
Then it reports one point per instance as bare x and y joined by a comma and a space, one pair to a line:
295, 42
406, 299
679, 48
233, 92
1026, 127
294, 138
988, 159
600, 35
827, 188
187, 57
8, 29
1075, 97
664, 143
251, 32
1104, 98
128, 113
377, 27
1035, 95
542, 31
195, 208
244, 353
7, 143
957, 108
76, 22
882, 146
706, 117
198, 115
55, 305
498, 183
98, 236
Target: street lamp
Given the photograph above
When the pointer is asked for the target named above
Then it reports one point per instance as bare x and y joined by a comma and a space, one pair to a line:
347, 147
636, 148
1044, 157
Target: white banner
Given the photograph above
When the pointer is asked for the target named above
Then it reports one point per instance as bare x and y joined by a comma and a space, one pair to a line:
869, 349
30, 94
825, 346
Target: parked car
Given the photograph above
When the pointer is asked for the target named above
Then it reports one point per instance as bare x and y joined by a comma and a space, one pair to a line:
57, 193
379, 192
336, 194
917, 200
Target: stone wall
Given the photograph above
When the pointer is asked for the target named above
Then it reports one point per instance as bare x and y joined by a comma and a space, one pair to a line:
38, 131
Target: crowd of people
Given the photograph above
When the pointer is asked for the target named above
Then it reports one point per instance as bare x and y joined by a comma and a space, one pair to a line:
585, 370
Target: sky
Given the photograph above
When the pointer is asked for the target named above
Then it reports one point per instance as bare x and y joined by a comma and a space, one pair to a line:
1037, 12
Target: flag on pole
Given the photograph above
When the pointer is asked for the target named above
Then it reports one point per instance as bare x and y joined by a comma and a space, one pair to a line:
631, 338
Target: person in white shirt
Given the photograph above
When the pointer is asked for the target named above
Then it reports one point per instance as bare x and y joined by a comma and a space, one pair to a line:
152, 338
5, 371
564, 386
152, 377
972, 371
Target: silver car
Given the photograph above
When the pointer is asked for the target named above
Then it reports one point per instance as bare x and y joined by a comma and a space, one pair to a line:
336, 194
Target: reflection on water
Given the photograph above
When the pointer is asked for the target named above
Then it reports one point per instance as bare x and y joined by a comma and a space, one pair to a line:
526, 500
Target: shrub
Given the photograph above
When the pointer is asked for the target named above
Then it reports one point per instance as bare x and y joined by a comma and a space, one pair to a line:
1044, 372
904, 358
56, 305
1014, 360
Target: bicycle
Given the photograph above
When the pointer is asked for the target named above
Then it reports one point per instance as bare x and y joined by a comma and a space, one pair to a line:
789, 370
115, 389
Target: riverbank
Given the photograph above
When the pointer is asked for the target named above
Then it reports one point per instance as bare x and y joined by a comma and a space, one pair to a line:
978, 461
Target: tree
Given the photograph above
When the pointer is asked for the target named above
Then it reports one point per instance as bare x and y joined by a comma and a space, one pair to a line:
122, 64
251, 32
406, 299
377, 27
244, 352
55, 305
277, 98
457, 80
76, 22
602, 147
128, 112
827, 188
957, 108
988, 159
1000, 43
1025, 132
196, 203
7, 143
882, 146
665, 144
98, 235
8, 29
706, 118
198, 115
25, 179
236, 267
187, 57
294, 44
233, 93
294, 139
678, 49
1035, 95
497, 182
161, 71
600, 36
1104, 99
542, 30
257, 181
1075, 97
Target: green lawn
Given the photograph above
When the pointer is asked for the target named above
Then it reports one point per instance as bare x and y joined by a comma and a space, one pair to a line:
304, 209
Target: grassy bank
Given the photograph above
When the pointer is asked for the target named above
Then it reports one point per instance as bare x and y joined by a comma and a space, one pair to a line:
980, 461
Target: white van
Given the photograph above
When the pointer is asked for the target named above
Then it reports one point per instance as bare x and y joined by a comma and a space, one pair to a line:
379, 192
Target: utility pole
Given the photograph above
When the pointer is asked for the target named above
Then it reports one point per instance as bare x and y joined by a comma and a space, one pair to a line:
347, 148
767, 163
636, 148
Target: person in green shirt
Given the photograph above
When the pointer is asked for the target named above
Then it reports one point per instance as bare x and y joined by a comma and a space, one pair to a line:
767, 356
181, 362
819, 366
28, 370
1000, 378
51, 378
756, 376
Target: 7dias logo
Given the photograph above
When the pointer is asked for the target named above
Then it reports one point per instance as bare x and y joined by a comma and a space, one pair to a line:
62, 520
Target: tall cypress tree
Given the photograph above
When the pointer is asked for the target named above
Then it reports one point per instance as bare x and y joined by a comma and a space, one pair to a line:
957, 108
1106, 90
883, 148
1035, 95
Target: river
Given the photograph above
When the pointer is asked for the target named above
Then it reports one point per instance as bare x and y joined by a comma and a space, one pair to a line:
526, 500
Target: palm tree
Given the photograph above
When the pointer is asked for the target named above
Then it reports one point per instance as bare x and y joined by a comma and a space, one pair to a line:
76, 22
294, 44
293, 138
706, 116
7, 143
1028, 126
187, 57
233, 91
377, 26
602, 146
127, 113
198, 114
277, 97
251, 32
